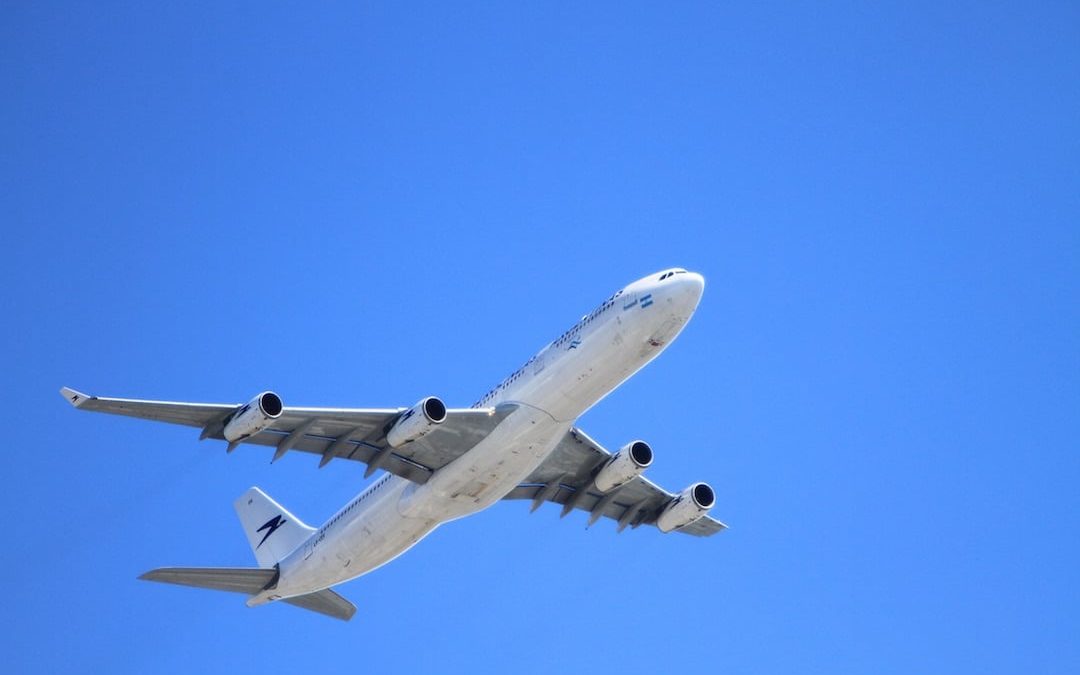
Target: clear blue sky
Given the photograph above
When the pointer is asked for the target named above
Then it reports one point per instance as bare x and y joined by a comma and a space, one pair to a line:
363, 205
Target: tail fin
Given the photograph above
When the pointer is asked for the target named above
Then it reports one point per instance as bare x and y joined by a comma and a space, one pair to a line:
272, 531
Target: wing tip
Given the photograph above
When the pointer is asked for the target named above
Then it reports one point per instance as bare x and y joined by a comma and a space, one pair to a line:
348, 613
157, 574
75, 398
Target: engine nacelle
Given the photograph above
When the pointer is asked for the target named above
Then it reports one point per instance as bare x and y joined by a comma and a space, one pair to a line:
691, 504
254, 416
627, 463
416, 422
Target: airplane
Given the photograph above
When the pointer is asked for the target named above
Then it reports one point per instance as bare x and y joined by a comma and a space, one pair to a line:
519, 441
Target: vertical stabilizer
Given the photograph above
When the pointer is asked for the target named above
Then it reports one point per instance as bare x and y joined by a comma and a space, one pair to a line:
271, 530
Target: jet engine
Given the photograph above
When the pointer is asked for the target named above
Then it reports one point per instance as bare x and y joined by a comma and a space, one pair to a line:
627, 463
690, 504
254, 416
417, 422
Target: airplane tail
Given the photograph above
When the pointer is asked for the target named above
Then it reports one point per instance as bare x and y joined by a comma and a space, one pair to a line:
251, 580
273, 533
271, 530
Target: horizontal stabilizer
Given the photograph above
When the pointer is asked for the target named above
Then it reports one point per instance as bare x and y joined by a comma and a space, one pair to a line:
249, 580
325, 602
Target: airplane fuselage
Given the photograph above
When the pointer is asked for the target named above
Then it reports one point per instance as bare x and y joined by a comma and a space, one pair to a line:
552, 389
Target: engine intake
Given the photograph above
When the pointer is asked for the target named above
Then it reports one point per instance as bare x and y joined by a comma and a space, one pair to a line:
417, 422
627, 463
691, 504
254, 416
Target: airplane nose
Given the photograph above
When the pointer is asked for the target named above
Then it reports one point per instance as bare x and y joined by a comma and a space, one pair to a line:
696, 282
693, 285
686, 290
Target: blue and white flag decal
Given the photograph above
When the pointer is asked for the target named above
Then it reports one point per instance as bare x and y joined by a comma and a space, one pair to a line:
646, 300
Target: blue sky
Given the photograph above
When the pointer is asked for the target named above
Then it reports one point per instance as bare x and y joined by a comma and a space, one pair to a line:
362, 205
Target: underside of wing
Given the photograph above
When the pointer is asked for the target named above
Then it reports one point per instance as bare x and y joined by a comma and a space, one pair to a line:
361, 435
347, 433
569, 478
189, 414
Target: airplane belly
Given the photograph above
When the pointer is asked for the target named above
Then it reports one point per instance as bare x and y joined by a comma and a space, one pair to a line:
482, 476
580, 378
372, 539
381, 540
406, 514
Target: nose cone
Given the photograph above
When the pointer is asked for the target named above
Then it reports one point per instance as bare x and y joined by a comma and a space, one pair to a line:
695, 282
691, 285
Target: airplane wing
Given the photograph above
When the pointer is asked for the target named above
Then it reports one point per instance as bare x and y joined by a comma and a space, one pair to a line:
348, 433
566, 477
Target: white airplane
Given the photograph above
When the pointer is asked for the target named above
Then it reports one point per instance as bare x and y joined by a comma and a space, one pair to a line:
517, 442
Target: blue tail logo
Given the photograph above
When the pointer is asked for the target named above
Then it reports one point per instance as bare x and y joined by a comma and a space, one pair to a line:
270, 525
